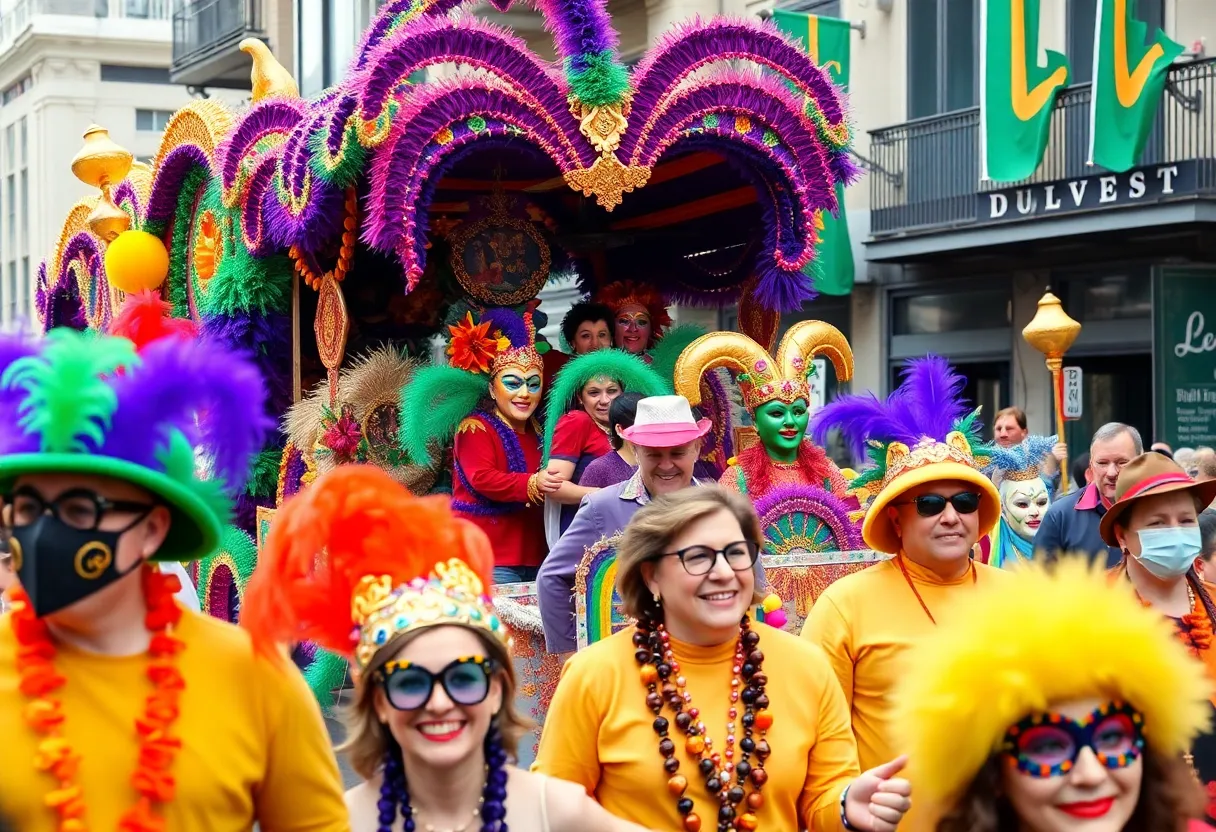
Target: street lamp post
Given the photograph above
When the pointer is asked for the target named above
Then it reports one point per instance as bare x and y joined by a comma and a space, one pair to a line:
1052, 332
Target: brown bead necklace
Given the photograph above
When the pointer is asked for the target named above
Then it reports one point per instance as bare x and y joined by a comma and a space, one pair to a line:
660, 672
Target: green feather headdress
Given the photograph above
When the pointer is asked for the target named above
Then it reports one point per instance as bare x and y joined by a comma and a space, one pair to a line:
434, 403
630, 371
667, 351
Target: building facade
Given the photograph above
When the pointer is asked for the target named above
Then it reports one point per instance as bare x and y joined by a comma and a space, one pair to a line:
950, 264
66, 64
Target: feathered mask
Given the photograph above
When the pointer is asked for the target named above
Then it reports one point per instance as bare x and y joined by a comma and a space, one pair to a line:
81, 402
924, 421
356, 560
501, 338
1020, 462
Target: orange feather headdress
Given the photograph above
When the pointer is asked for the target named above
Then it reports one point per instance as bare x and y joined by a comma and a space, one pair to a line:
356, 560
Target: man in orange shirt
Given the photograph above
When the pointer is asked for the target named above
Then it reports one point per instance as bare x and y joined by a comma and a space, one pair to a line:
119, 708
929, 505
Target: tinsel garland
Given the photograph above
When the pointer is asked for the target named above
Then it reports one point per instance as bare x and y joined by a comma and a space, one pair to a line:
179, 253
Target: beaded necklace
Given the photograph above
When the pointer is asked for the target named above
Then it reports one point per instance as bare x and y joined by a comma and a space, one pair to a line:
660, 673
491, 808
899, 559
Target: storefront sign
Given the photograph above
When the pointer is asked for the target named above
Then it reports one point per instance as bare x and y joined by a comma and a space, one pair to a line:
1090, 193
1184, 356
1072, 392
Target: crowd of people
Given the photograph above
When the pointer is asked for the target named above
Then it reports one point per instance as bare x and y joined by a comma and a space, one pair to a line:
931, 690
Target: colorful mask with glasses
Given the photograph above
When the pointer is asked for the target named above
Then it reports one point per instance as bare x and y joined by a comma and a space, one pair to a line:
639, 312
1048, 744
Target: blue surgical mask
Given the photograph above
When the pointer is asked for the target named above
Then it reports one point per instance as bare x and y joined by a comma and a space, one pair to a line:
1170, 551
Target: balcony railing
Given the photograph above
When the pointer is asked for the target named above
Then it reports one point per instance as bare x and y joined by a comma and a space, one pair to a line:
204, 27
22, 14
926, 173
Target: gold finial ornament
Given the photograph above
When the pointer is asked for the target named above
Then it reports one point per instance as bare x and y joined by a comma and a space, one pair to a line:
269, 77
102, 163
1052, 332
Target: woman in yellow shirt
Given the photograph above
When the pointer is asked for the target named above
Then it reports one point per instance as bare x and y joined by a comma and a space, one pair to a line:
401, 585
696, 720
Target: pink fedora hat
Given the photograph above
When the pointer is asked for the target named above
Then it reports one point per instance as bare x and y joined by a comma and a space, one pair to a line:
665, 422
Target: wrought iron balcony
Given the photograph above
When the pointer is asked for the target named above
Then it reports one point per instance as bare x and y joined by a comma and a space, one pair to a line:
205, 38
925, 174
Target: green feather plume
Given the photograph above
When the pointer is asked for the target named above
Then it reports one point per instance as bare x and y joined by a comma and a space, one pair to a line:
602, 80
433, 405
178, 459
668, 349
68, 403
325, 674
632, 372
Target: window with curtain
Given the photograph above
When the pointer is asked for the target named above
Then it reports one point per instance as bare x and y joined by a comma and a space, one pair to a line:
943, 56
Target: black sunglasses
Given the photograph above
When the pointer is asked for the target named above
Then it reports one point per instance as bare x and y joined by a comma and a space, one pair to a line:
408, 686
79, 508
699, 560
931, 505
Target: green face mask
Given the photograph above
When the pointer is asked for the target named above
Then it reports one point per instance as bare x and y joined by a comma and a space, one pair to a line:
781, 428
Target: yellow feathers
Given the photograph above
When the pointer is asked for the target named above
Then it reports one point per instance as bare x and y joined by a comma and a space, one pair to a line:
1026, 643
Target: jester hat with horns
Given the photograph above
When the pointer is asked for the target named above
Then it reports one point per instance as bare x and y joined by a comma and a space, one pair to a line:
763, 379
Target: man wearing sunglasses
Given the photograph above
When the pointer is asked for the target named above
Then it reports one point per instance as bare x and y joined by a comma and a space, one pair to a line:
930, 505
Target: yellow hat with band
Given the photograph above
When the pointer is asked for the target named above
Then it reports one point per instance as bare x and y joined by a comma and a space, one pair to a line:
922, 433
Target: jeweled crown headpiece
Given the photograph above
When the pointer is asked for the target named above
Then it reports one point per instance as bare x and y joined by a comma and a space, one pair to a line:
761, 378
501, 338
1020, 462
355, 561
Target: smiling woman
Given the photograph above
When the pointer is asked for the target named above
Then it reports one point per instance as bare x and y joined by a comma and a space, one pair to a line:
400, 586
750, 724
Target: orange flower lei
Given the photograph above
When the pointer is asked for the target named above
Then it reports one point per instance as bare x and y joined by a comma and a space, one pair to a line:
1195, 628
153, 778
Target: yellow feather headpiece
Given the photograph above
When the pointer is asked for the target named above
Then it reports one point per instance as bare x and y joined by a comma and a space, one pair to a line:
1029, 642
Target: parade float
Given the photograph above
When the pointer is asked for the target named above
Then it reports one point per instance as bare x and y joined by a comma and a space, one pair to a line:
452, 172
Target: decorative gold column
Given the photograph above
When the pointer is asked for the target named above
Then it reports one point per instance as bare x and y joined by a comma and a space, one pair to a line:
103, 164
1052, 332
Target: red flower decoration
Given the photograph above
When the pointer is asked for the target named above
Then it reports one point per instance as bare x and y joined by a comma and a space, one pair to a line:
472, 347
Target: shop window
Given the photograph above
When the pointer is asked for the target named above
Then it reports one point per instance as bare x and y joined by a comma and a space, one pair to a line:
943, 56
935, 314
153, 121
1114, 296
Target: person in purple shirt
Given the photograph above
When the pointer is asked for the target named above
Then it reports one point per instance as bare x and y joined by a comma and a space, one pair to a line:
621, 463
667, 442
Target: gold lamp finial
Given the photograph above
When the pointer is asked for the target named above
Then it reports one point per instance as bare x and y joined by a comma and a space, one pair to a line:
103, 164
1051, 332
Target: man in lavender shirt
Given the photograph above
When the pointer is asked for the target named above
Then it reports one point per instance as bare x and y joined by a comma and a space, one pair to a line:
667, 440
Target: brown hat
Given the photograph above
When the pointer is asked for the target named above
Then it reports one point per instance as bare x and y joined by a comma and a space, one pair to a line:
1146, 475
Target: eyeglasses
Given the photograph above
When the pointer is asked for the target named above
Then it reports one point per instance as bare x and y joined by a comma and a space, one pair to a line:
408, 686
1047, 745
931, 505
79, 508
699, 560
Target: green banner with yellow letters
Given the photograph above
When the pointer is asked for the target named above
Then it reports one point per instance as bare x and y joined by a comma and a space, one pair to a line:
1017, 95
1129, 76
828, 42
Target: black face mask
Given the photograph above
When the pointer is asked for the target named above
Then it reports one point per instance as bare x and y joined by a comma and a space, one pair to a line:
59, 565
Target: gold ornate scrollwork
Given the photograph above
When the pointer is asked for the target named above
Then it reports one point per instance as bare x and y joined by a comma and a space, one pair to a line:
608, 180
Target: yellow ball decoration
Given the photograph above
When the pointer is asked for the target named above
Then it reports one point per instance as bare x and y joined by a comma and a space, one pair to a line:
771, 602
136, 261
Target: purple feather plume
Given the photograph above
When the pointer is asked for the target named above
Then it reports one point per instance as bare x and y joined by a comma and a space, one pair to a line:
220, 407
14, 440
510, 323
927, 404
